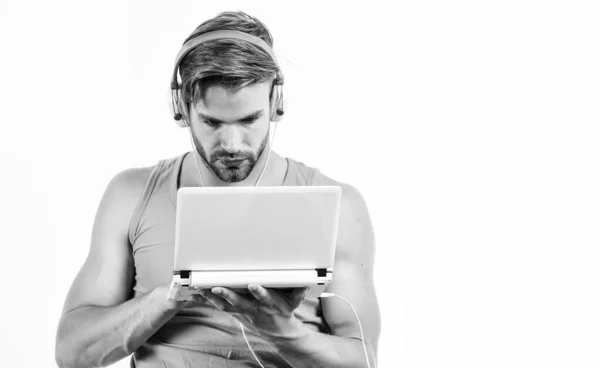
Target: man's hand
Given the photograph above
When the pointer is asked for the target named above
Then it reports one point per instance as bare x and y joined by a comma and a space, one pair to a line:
269, 312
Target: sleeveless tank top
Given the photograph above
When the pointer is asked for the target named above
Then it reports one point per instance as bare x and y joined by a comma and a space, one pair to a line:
199, 335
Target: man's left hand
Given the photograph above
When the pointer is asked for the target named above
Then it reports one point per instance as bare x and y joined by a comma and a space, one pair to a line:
269, 312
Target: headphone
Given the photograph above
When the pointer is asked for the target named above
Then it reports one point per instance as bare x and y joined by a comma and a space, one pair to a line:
178, 105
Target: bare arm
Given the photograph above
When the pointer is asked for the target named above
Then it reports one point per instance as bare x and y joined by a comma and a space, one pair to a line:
99, 325
93, 336
352, 280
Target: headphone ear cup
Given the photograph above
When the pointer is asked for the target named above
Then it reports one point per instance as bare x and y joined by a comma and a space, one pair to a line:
182, 107
276, 103
275, 116
170, 103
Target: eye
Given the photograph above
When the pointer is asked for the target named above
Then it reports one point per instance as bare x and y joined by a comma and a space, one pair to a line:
249, 121
210, 123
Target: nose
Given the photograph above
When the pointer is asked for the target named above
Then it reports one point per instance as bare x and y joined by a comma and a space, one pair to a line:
231, 139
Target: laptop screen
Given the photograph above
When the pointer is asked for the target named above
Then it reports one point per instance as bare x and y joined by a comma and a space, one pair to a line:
256, 228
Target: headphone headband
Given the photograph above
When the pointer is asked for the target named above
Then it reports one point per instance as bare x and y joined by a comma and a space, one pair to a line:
215, 35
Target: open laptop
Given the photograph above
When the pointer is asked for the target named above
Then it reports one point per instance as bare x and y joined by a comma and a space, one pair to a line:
278, 236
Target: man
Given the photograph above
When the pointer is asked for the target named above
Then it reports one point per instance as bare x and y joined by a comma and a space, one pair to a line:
118, 305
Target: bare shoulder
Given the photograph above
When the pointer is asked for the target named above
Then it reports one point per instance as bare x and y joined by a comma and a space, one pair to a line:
130, 182
126, 188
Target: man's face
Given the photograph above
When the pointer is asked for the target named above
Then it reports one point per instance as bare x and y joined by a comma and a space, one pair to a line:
231, 129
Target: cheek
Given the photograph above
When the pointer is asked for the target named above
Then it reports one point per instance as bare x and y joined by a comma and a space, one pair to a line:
204, 141
260, 133
207, 143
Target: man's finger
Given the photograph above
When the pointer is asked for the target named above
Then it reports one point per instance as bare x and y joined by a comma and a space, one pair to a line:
233, 298
262, 295
197, 298
218, 302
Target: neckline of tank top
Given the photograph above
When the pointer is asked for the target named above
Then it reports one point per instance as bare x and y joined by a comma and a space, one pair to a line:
177, 169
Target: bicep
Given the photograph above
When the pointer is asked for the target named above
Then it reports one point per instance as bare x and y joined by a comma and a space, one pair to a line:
353, 273
106, 277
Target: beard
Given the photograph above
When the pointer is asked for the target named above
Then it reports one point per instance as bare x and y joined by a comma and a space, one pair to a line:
232, 174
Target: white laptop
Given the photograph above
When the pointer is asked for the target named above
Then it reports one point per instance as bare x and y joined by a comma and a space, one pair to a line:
278, 237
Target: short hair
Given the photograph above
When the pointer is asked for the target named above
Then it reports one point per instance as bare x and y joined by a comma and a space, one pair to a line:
230, 63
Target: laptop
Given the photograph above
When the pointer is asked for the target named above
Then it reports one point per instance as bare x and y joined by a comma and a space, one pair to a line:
275, 236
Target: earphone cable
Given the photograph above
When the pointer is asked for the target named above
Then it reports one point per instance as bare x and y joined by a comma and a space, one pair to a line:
362, 336
250, 347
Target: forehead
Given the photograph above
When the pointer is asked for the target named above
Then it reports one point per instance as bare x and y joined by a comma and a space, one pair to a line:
218, 99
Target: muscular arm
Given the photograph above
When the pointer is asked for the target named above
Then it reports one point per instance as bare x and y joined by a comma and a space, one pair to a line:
99, 325
95, 336
353, 280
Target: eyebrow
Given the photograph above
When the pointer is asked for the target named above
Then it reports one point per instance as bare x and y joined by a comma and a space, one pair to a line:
255, 115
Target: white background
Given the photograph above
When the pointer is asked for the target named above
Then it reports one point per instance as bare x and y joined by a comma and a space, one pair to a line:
470, 127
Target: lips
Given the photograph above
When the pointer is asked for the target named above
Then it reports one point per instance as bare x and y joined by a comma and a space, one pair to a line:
232, 163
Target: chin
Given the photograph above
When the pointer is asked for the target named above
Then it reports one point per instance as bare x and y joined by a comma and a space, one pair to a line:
233, 175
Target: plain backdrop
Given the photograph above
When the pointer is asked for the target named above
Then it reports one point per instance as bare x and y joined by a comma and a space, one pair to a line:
470, 127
